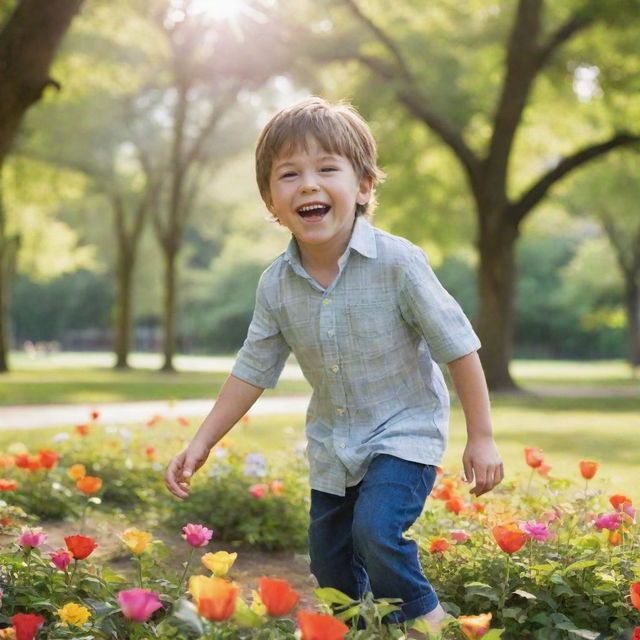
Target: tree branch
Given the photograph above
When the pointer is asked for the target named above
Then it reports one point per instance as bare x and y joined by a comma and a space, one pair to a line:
575, 23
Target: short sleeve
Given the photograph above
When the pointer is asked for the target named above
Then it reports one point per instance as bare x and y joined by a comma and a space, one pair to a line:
429, 309
263, 355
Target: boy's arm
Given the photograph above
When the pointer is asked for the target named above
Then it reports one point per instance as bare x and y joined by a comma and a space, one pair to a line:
234, 400
481, 459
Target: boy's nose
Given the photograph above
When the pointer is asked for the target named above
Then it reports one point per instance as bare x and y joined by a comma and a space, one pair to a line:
309, 184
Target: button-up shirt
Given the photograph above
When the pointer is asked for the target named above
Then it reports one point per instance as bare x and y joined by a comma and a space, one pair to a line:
368, 345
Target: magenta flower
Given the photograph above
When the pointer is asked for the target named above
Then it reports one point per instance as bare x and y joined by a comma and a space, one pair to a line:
459, 535
31, 538
611, 521
197, 535
138, 604
61, 559
258, 490
536, 530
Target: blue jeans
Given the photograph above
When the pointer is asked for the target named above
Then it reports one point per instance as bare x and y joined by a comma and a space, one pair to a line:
356, 541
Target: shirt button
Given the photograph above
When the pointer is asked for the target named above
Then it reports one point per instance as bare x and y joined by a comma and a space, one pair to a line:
330, 333
340, 411
342, 445
326, 301
335, 368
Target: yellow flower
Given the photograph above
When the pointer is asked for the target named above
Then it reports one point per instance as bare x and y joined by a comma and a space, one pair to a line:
77, 471
136, 540
73, 613
8, 633
219, 563
257, 606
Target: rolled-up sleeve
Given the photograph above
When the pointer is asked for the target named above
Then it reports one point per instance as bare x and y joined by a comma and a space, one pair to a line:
262, 357
427, 306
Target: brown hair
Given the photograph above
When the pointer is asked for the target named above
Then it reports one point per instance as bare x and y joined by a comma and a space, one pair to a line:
338, 128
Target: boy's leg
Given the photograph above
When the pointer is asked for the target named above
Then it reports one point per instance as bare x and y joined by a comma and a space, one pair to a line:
390, 498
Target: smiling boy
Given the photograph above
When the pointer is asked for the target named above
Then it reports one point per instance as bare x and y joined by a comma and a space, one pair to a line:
367, 321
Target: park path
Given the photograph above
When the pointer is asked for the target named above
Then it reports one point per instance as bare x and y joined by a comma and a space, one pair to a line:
58, 415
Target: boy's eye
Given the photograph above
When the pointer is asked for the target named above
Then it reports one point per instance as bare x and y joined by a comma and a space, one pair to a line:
288, 174
326, 169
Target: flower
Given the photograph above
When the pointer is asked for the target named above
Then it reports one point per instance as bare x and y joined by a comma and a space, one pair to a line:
215, 598
136, 540
80, 547
636, 634
82, 429
73, 613
455, 504
634, 591
544, 469
197, 535
588, 468
32, 538
618, 501
150, 452
184, 422
533, 456
277, 487
95, 415
76, 471
60, 558
257, 606
89, 484
48, 458
138, 604
255, 465
439, 545
614, 538
26, 625
258, 490
551, 515
458, 535
509, 537
475, 626
611, 521
10, 634
278, 596
7, 484
219, 563
537, 530
317, 626
26, 461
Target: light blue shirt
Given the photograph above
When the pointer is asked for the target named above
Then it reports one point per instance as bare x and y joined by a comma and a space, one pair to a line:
368, 345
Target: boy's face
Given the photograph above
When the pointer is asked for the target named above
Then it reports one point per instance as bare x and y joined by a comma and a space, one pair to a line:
314, 194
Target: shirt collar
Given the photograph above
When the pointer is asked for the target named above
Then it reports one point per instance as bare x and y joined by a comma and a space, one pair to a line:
363, 240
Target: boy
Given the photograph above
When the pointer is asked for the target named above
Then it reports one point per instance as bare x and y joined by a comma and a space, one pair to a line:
367, 320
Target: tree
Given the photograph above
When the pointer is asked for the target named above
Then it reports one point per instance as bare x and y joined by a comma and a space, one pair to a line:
429, 78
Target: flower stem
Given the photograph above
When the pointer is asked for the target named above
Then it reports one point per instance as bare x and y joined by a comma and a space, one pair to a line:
184, 573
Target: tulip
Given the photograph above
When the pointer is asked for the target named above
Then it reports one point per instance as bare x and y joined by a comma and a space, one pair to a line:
61, 559
82, 429
197, 535
458, 535
533, 456
618, 501
509, 537
73, 613
278, 596
588, 468
317, 626
48, 459
215, 598
455, 504
136, 540
634, 590
537, 530
138, 604
76, 471
258, 490
611, 521
439, 545
32, 538
636, 634
475, 626
89, 484
219, 563
80, 547
7, 484
544, 469
26, 625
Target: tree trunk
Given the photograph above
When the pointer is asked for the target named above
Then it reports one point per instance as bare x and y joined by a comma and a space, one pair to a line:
122, 324
632, 304
169, 337
496, 289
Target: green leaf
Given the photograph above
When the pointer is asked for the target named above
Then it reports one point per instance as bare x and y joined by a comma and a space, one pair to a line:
481, 589
493, 634
349, 613
585, 633
333, 596
580, 564
186, 611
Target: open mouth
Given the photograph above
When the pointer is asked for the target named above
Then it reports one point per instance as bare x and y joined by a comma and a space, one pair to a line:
314, 211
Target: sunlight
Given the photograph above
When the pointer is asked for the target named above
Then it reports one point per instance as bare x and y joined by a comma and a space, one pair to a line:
218, 9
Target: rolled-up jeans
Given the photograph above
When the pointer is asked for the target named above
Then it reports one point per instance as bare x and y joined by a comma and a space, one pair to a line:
357, 543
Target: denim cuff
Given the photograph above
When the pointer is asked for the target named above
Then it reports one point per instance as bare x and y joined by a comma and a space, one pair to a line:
420, 607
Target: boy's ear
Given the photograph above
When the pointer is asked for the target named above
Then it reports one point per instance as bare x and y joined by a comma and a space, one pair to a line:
365, 187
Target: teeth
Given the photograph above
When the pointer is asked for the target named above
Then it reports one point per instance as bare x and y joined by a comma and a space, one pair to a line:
311, 207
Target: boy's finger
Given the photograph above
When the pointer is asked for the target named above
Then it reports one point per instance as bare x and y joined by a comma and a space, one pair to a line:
468, 471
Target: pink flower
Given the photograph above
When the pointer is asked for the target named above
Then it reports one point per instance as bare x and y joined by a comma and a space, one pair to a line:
629, 511
31, 538
536, 530
611, 521
258, 490
197, 535
138, 604
61, 559
458, 535
551, 516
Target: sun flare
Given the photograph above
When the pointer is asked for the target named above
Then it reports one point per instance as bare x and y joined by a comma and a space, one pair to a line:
218, 9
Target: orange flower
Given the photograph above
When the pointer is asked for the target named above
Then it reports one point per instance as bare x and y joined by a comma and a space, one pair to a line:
475, 626
618, 501
183, 422
277, 596
215, 597
5, 461
615, 538
80, 547
509, 537
154, 421
455, 504
245, 418
6, 484
634, 590
82, 429
48, 458
150, 452
588, 469
533, 456
439, 545
95, 415
277, 487
89, 484
77, 471
316, 626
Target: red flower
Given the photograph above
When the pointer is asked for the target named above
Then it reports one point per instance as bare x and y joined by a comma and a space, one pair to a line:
278, 596
81, 547
7, 484
636, 634
150, 452
455, 504
509, 537
588, 469
82, 429
26, 625
634, 590
316, 626
618, 501
533, 456
439, 545
544, 469
48, 459
95, 415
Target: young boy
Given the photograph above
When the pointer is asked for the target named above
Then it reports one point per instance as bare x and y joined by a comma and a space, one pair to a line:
367, 321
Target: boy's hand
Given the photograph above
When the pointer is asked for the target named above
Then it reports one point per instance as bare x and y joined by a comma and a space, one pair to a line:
482, 462
177, 477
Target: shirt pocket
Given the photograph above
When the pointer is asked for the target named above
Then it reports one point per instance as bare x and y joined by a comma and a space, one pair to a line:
370, 326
